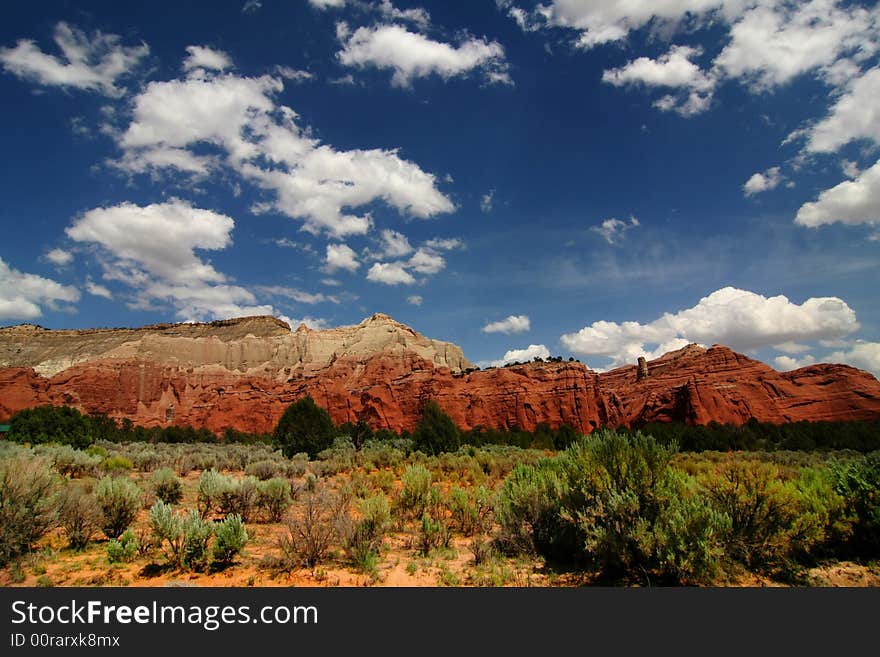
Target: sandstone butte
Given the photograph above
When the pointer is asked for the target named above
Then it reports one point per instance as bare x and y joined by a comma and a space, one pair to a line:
243, 373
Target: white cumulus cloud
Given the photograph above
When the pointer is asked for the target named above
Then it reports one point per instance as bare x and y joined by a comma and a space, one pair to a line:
863, 355
152, 250
510, 324
788, 363
851, 202
390, 273
340, 256
762, 182
206, 58
263, 143
92, 63
739, 319
412, 55
521, 355
59, 257
23, 295
414, 300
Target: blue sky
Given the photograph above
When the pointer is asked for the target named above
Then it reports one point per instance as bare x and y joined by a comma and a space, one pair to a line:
578, 178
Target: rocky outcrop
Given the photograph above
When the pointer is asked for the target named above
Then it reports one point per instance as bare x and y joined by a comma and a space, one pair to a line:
254, 346
245, 373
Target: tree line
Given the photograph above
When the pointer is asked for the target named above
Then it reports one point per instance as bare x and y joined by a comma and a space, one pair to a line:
306, 427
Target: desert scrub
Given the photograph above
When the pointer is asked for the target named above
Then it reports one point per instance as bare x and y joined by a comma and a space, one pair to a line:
433, 533
184, 537
471, 510
768, 519
197, 534
858, 484
273, 497
27, 504
416, 495
364, 536
230, 538
211, 485
612, 503
166, 486
79, 515
264, 469
116, 464
124, 549
313, 526
120, 501
70, 462
240, 497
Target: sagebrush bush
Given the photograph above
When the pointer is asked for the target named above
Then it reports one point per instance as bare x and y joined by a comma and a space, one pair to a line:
167, 486
211, 485
858, 484
612, 503
470, 509
364, 536
184, 537
168, 531
415, 496
433, 533
273, 496
263, 470
230, 538
120, 501
767, 523
27, 504
239, 497
123, 549
70, 462
313, 526
79, 515
197, 534
117, 464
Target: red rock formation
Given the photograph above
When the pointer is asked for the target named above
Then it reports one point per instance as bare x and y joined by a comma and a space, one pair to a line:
693, 385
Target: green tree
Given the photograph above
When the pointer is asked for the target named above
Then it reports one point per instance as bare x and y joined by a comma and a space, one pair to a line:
304, 427
436, 432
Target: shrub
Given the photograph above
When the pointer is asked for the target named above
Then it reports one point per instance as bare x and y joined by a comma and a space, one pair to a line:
123, 549
433, 533
764, 511
168, 529
613, 504
364, 537
117, 464
197, 533
263, 470
239, 497
70, 462
186, 535
79, 514
313, 527
529, 511
120, 501
27, 504
211, 485
415, 497
230, 539
167, 486
436, 432
858, 483
470, 510
274, 497
304, 427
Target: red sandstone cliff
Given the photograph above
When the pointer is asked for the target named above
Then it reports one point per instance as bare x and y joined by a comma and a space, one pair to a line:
394, 370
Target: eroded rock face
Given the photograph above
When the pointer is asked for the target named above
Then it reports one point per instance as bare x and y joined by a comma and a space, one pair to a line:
383, 372
257, 346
